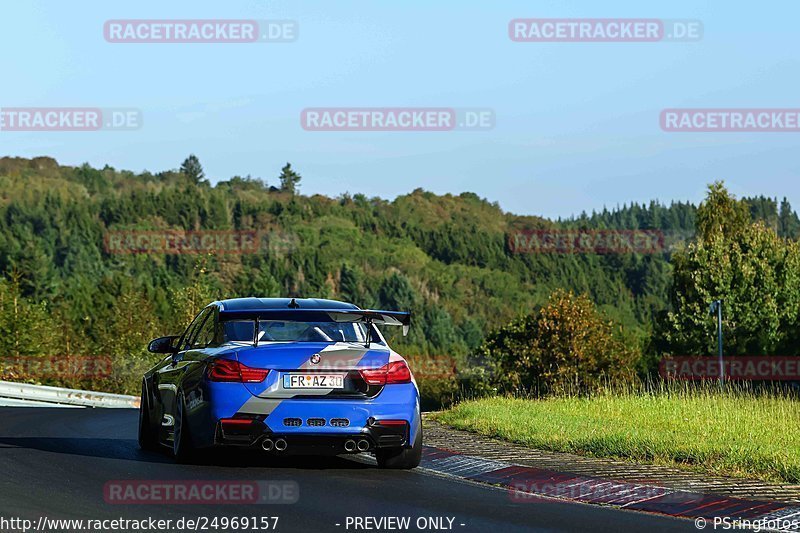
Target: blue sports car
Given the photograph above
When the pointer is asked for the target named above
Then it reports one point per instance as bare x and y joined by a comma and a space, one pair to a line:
286, 376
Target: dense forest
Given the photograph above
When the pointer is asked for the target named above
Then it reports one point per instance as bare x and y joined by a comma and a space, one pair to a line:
446, 258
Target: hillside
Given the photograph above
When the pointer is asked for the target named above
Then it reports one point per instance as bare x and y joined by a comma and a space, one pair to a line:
446, 258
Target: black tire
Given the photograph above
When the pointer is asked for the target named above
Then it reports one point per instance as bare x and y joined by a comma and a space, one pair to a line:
148, 438
182, 448
401, 458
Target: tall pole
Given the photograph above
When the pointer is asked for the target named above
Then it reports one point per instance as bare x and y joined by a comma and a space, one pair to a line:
719, 344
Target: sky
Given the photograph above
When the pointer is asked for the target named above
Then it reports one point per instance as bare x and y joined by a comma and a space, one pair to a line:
576, 124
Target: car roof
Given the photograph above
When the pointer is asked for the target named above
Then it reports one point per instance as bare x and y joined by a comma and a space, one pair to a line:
258, 304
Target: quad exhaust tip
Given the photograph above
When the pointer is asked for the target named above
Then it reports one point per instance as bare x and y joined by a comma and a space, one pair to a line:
280, 445
363, 445
267, 445
349, 445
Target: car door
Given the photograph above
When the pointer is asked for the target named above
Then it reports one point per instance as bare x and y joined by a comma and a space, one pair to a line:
167, 379
203, 344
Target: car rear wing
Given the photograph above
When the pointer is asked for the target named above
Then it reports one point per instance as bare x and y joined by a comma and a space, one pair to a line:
366, 316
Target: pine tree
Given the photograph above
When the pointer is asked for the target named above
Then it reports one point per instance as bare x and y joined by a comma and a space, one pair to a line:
289, 179
192, 169
349, 285
788, 223
21, 321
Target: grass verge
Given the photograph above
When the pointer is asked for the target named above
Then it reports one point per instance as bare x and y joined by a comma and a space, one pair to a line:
733, 434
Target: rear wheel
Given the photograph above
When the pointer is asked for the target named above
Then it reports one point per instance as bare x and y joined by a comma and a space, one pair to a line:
148, 438
182, 448
403, 458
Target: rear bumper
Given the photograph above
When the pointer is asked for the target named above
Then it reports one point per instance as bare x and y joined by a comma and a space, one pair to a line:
367, 439
313, 424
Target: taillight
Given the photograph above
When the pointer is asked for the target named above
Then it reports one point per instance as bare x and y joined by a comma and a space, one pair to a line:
228, 370
391, 423
396, 372
253, 375
236, 422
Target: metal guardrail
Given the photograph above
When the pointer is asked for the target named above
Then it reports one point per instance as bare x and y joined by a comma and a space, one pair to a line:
57, 395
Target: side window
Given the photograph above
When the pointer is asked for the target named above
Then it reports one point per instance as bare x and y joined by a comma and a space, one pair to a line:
206, 332
192, 329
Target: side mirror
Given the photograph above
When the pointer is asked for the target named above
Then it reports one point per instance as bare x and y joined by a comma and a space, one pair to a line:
162, 344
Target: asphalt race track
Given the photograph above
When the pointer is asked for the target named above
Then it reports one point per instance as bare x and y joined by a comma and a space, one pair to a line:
56, 462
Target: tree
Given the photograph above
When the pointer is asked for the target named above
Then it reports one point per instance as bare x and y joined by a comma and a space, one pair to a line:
37, 276
21, 321
247, 183
747, 265
127, 328
289, 179
190, 299
350, 284
192, 169
566, 346
437, 325
788, 223
396, 293
721, 214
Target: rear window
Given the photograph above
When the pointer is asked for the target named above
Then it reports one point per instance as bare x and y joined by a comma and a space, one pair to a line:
294, 331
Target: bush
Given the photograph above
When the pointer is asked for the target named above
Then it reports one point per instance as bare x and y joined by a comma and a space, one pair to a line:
566, 346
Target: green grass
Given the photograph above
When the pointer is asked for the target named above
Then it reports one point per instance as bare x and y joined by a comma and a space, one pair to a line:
735, 434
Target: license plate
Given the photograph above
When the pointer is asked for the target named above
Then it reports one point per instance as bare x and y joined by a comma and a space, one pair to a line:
313, 381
